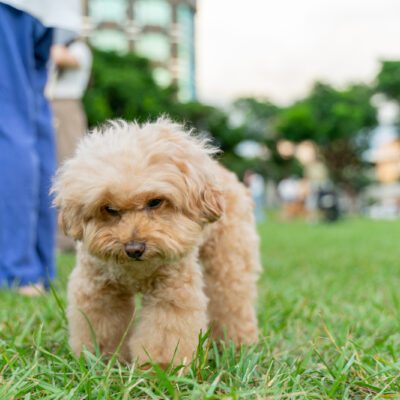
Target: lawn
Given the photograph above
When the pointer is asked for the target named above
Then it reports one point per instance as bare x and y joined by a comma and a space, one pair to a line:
329, 311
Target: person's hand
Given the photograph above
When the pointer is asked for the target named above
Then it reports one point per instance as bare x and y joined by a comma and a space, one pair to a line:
62, 57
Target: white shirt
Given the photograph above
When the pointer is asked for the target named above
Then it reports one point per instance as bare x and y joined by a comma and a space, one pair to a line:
52, 13
71, 83
257, 185
289, 189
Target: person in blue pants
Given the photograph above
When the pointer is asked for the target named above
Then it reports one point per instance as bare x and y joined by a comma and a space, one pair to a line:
27, 153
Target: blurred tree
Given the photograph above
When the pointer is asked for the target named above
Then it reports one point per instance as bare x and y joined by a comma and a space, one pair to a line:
210, 120
256, 116
124, 87
215, 123
340, 123
388, 80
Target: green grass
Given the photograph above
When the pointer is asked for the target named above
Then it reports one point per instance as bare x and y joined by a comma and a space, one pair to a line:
329, 310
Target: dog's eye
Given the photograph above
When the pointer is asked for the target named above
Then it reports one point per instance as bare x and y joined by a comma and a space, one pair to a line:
154, 203
112, 211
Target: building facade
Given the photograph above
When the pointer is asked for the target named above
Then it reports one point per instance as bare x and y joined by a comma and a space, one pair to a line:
161, 30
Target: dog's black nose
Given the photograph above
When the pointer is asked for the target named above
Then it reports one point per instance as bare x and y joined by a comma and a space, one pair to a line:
135, 249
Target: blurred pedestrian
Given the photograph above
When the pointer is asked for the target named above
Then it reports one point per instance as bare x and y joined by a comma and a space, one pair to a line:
255, 183
293, 192
27, 150
328, 203
71, 66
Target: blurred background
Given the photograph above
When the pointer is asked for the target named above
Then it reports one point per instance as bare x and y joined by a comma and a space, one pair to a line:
302, 97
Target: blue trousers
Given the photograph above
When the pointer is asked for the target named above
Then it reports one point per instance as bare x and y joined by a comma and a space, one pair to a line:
27, 151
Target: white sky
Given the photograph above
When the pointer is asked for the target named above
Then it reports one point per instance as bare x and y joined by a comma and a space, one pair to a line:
277, 48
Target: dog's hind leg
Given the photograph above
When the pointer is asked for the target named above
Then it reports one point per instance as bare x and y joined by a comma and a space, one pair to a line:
230, 258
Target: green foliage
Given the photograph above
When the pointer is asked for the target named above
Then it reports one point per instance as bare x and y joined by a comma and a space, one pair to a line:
123, 87
208, 119
339, 122
256, 117
297, 122
240, 165
388, 79
328, 115
279, 167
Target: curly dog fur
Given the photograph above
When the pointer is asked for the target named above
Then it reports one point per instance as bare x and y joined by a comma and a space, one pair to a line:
154, 213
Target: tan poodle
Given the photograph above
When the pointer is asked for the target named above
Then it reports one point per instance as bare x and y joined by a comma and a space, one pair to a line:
154, 213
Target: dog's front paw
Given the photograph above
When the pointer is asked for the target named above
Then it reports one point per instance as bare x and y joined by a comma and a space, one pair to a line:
164, 351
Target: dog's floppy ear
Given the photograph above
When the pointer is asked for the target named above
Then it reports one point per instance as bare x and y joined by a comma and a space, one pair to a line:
211, 203
205, 201
70, 209
70, 221
192, 156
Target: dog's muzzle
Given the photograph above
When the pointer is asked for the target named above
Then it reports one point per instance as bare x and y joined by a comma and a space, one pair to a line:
135, 249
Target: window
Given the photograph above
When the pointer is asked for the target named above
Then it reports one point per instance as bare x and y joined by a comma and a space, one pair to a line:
153, 12
162, 76
108, 10
154, 46
109, 39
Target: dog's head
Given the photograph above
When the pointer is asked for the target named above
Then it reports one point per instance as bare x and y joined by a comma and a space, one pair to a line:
138, 193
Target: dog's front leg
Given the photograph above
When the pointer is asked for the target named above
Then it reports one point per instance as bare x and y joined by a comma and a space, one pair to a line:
174, 313
99, 312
